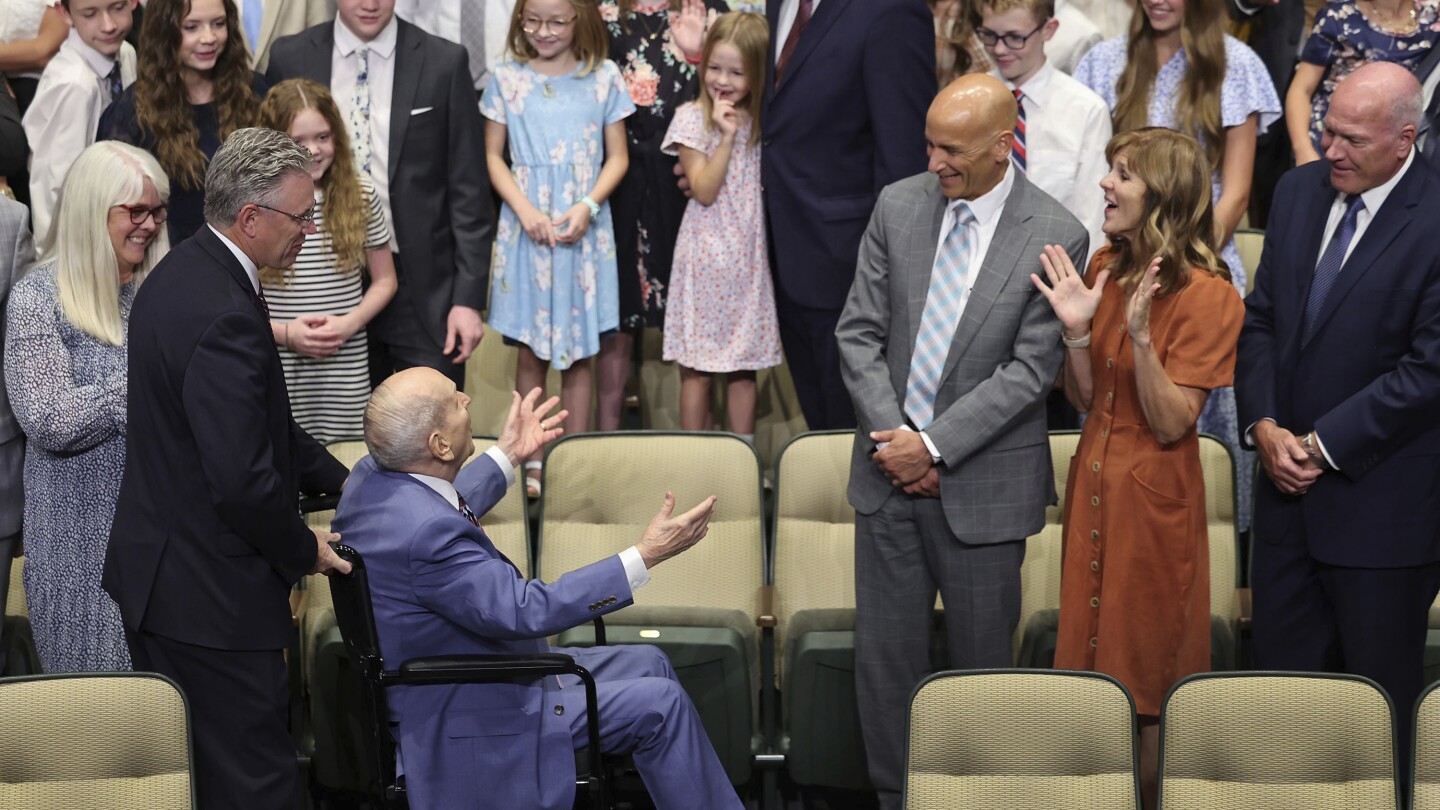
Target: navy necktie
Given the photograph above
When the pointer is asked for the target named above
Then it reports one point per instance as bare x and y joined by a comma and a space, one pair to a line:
115, 85
1328, 268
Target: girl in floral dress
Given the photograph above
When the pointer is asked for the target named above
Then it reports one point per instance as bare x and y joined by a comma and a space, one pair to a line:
1346, 35
721, 316
561, 105
657, 44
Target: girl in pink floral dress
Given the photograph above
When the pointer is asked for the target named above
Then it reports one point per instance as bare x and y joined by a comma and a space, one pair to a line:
721, 314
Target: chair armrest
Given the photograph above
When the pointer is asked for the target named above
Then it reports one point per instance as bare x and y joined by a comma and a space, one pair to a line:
483, 668
318, 503
767, 607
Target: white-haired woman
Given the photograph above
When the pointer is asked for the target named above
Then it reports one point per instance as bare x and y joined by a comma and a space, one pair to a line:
65, 372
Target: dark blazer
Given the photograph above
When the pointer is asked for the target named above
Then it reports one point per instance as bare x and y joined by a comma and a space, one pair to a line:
1368, 381
14, 149
439, 188
1276, 38
847, 119
207, 540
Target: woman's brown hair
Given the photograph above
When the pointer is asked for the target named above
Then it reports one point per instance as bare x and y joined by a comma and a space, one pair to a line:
1197, 109
1178, 220
750, 34
345, 204
591, 44
161, 105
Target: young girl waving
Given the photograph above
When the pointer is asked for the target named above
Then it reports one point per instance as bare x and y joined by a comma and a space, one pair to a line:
318, 308
553, 280
721, 315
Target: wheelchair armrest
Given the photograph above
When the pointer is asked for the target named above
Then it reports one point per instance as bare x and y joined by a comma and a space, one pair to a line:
484, 668
318, 503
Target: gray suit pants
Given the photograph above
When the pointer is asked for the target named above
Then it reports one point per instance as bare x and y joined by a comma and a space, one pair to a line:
903, 554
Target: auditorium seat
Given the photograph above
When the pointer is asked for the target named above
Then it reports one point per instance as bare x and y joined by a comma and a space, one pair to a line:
1249, 242
1034, 640
1269, 740
600, 493
119, 741
1426, 764
1002, 739
16, 635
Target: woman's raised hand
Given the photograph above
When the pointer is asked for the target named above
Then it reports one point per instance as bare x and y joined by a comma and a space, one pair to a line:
1137, 311
1074, 303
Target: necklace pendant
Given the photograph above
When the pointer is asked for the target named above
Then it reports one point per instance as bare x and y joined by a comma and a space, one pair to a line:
653, 35
547, 91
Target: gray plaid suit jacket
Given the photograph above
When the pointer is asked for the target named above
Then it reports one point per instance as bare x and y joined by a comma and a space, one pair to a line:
995, 476
16, 254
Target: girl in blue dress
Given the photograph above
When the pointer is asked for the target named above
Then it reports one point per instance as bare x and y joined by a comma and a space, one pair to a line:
560, 105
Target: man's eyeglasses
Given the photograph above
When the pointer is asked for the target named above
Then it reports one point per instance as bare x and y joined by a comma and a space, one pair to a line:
138, 213
533, 25
302, 220
1012, 40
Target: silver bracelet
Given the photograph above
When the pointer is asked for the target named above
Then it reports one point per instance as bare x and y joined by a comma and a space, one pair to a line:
1075, 343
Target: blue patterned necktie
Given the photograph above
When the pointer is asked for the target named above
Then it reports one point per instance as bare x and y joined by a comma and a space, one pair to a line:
252, 15
938, 321
1328, 268
1017, 152
360, 111
113, 83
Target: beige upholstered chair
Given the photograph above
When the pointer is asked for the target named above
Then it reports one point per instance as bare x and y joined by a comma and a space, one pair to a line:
1277, 740
1250, 242
600, 492
1218, 468
1005, 739
1426, 729
814, 607
1040, 572
106, 740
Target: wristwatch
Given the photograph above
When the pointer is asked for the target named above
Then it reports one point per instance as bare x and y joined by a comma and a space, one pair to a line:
1312, 449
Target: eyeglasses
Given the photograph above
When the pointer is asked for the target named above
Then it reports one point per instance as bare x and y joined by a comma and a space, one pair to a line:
533, 25
303, 220
138, 213
1012, 41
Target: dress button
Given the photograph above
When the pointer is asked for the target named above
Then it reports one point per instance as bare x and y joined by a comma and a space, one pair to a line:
1094, 500
1094, 534
559, 709
1110, 396
1121, 330
1104, 432
1095, 466
1094, 642
1109, 362
1094, 601
1094, 565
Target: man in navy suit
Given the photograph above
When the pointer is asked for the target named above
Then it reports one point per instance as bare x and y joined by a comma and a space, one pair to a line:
440, 587
1338, 381
844, 117
207, 539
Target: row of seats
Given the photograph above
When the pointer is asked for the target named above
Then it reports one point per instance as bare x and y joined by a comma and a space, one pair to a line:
1031, 738
761, 610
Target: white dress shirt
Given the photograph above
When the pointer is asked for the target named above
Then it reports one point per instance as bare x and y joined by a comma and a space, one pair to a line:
251, 270
442, 18
635, 572
1074, 37
788, 11
1374, 198
1066, 129
344, 66
61, 122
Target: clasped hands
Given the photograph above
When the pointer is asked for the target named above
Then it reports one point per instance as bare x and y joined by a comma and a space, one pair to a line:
907, 462
1291, 468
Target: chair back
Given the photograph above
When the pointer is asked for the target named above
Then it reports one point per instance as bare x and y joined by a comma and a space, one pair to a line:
1218, 467
1427, 751
1001, 739
1250, 243
116, 740
1277, 740
1040, 572
347, 452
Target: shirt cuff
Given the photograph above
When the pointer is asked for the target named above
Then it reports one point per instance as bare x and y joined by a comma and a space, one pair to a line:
1247, 439
1321, 445
635, 572
503, 462
1248, 10
924, 437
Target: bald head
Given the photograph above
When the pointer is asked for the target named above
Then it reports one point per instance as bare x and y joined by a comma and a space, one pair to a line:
1371, 126
406, 416
968, 133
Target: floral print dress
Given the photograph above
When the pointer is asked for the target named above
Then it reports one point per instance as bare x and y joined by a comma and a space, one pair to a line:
648, 204
558, 301
1343, 39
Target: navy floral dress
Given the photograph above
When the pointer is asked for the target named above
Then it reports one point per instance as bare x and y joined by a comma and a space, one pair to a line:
648, 205
1343, 39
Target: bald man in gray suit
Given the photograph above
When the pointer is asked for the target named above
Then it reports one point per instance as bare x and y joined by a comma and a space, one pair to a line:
948, 351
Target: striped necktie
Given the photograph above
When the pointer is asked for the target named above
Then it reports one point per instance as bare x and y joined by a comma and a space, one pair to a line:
1017, 153
948, 279
1328, 268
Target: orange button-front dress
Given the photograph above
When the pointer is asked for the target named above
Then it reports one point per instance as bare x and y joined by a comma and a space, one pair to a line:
1135, 586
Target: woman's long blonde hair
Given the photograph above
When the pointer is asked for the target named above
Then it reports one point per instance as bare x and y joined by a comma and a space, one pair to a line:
1178, 220
345, 206
1197, 109
106, 174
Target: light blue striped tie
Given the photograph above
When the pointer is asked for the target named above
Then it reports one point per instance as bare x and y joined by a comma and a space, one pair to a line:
253, 14
939, 319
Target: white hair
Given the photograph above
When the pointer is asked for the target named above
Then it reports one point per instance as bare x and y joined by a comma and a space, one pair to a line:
398, 428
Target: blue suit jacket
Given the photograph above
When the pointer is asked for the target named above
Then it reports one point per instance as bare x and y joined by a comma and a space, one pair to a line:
440, 587
847, 119
1368, 381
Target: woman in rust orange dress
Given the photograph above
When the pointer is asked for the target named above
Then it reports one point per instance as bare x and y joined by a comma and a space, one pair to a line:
1145, 344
